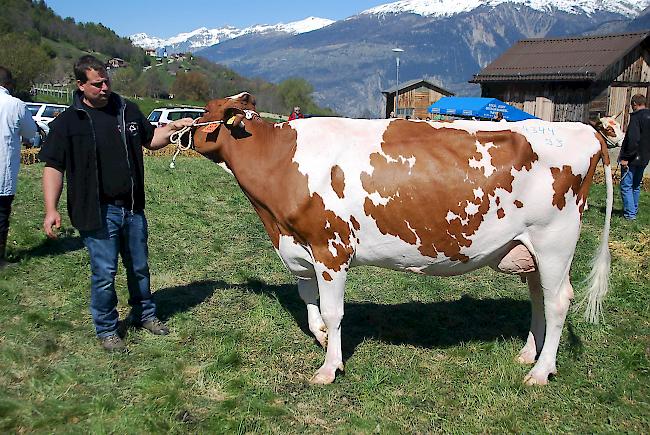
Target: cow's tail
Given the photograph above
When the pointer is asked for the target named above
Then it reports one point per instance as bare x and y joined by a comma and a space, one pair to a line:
598, 279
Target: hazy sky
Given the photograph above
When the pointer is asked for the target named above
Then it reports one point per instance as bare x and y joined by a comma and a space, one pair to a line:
165, 18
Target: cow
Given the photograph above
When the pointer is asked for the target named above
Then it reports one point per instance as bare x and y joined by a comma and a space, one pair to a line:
434, 198
610, 129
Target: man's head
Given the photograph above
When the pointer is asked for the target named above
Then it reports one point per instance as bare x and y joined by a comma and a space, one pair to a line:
296, 109
6, 79
92, 81
638, 102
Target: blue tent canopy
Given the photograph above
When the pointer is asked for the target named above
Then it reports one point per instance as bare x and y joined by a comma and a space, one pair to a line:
477, 107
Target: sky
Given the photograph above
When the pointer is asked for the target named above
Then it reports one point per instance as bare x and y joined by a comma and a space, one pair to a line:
165, 18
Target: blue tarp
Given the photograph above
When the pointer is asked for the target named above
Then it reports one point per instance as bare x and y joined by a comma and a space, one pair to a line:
485, 108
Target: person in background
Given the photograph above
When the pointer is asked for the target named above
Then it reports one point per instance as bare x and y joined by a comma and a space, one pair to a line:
634, 156
97, 143
296, 114
15, 121
498, 117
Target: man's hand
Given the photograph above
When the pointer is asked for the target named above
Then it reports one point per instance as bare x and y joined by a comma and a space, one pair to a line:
180, 123
161, 134
52, 220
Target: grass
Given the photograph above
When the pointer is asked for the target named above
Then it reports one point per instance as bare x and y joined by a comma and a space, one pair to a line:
423, 354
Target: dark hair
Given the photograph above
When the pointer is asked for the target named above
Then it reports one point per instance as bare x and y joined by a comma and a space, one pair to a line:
638, 100
85, 63
6, 79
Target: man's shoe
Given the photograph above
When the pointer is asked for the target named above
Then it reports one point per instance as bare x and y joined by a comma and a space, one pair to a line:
156, 326
113, 343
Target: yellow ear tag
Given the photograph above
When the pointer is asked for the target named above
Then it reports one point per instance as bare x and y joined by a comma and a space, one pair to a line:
231, 121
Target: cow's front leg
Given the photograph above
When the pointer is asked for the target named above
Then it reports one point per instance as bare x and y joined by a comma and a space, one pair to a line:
331, 287
308, 290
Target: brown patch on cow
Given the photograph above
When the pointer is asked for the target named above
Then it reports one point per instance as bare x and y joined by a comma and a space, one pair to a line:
327, 276
498, 201
501, 214
563, 180
338, 181
519, 204
427, 199
583, 193
286, 206
355, 223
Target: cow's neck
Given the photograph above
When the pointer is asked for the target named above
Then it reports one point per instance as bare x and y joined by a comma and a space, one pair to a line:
255, 160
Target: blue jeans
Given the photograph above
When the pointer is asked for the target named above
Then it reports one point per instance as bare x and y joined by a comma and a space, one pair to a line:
631, 177
125, 233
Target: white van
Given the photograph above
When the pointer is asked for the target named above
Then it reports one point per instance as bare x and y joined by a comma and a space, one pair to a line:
163, 116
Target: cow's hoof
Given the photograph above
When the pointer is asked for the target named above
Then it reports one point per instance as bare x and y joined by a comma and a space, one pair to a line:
526, 357
326, 375
322, 378
538, 377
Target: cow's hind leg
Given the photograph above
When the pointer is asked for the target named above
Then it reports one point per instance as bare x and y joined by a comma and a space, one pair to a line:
308, 290
331, 287
557, 292
535, 340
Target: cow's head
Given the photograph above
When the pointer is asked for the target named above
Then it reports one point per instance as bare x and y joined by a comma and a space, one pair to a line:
611, 129
227, 114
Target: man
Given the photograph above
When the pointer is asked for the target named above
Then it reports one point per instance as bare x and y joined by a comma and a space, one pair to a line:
15, 121
296, 114
634, 156
97, 142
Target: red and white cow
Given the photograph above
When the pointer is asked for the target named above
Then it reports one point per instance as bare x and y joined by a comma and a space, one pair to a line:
436, 198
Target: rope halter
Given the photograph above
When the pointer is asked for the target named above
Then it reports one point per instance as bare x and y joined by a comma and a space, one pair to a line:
175, 137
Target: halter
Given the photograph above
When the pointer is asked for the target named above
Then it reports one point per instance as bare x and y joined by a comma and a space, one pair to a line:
175, 137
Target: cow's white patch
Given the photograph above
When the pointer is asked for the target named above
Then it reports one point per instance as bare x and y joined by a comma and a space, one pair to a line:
486, 159
377, 199
471, 208
478, 193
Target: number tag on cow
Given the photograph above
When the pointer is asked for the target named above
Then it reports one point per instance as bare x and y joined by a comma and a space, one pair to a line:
209, 128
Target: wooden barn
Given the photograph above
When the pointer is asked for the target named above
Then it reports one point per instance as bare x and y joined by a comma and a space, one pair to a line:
571, 79
414, 98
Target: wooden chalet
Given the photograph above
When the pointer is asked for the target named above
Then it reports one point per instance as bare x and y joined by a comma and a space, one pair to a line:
571, 79
415, 97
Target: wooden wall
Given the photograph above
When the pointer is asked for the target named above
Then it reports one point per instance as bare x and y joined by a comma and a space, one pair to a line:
415, 101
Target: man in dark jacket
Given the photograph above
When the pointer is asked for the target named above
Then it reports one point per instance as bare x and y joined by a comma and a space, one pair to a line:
634, 156
97, 143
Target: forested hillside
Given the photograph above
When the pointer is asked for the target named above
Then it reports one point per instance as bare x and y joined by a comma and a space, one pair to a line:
39, 46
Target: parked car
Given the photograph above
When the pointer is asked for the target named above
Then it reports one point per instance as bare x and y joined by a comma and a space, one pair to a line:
163, 116
43, 114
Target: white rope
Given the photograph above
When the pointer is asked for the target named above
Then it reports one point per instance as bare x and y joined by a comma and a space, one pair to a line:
175, 138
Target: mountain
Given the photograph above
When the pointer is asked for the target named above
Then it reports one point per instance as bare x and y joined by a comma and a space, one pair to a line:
204, 37
350, 61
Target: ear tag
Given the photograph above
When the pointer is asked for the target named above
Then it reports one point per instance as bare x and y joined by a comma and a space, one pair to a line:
231, 121
209, 128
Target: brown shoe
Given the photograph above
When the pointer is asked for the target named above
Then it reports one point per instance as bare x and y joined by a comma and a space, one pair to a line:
113, 343
156, 326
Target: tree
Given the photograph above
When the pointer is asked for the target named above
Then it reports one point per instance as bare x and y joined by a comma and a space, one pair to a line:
26, 60
124, 81
296, 92
191, 86
150, 84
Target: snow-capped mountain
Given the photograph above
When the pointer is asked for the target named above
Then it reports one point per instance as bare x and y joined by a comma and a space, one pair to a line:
350, 61
447, 8
204, 37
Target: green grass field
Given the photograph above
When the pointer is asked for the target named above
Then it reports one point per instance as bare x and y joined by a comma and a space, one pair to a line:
423, 354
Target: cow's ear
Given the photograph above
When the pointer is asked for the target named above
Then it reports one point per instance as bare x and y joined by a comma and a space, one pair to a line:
233, 117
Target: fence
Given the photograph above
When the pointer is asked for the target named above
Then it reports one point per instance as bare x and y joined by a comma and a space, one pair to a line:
58, 91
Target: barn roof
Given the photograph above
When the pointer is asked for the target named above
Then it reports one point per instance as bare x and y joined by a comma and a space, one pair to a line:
560, 59
412, 84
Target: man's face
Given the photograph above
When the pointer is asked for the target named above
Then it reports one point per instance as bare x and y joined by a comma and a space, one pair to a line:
96, 89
